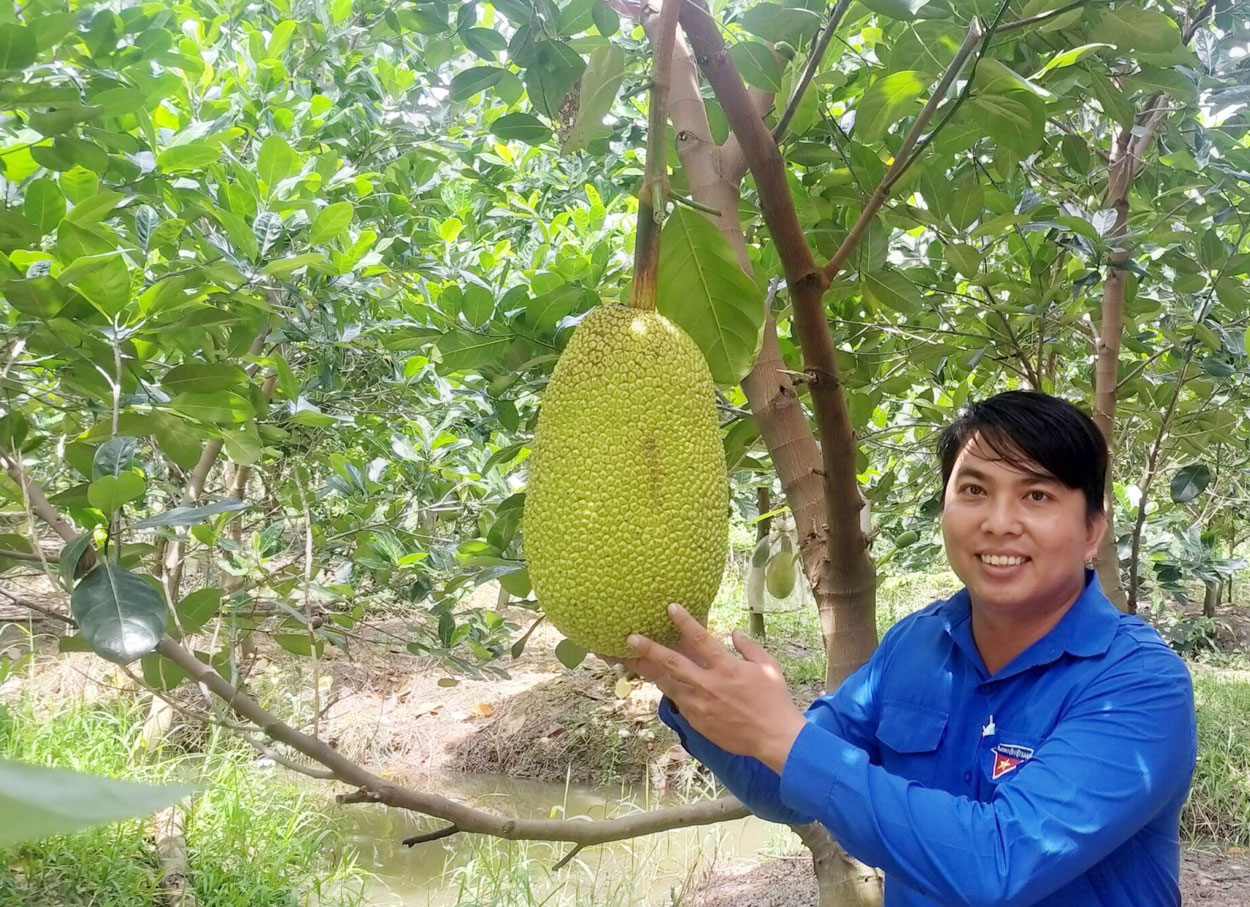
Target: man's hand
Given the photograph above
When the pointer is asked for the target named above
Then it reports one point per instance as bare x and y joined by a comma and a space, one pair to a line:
741, 705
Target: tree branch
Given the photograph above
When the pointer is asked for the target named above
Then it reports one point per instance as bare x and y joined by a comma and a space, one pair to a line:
813, 62
35, 606
903, 159
375, 789
653, 195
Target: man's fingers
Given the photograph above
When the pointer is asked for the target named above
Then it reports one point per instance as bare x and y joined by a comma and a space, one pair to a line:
751, 650
694, 635
663, 660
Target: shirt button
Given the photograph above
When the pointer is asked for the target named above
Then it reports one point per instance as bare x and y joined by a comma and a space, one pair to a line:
967, 776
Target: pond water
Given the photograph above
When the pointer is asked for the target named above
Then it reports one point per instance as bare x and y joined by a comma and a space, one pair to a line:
477, 871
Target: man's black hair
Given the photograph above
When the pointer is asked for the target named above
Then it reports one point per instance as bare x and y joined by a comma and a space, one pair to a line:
1028, 430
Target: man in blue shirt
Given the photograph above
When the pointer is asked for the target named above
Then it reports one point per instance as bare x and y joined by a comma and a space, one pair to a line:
1022, 742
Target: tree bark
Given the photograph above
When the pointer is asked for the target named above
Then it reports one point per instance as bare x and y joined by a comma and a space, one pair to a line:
755, 575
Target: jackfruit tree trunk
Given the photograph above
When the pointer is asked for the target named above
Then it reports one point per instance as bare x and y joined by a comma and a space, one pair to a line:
845, 583
1211, 598
714, 174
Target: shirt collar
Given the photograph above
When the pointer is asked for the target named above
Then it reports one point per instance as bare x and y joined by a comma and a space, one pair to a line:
1085, 631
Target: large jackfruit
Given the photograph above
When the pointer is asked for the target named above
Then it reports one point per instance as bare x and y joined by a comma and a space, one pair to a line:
627, 506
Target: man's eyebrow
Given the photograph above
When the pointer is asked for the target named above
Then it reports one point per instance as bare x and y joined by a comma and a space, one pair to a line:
1031, 475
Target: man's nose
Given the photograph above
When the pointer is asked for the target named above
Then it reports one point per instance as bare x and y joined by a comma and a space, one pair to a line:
1002, 518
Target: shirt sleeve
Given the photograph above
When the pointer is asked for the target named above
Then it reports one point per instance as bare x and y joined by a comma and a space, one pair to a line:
1122, 752
850, 713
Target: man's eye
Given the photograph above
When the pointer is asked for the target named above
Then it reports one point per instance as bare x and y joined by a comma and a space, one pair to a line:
1038, 496
973, 489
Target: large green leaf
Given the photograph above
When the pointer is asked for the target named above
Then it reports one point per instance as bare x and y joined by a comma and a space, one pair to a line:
1189, 482
523, 127
121, 616
189, 516
331, 222
465, 351
1009, 114
17, 46
276, 161
1130, 27
466, 83
885, 102
215, 406
44, 205
201, 377
108, 493
896, 9
892, 290
757, 65
36, 801
703, 289
107, 285
600, 82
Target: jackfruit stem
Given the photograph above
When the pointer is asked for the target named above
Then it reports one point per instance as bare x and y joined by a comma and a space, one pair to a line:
653, 195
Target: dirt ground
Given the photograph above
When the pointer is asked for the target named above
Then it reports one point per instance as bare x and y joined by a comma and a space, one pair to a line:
390, 712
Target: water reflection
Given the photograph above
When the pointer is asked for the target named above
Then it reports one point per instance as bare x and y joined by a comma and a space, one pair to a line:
476, 871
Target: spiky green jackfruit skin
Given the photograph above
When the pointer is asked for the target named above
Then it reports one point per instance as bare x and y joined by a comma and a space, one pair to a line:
627, 507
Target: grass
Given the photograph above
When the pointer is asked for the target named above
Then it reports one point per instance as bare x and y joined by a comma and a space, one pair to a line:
1219, 800
252, 839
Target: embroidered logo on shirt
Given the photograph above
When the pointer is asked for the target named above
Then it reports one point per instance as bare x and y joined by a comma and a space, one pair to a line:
1008, 757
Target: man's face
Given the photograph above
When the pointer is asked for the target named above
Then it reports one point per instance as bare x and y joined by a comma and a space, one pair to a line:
1018, 539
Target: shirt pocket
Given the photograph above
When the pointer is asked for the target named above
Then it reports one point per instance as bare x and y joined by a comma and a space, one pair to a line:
910, 735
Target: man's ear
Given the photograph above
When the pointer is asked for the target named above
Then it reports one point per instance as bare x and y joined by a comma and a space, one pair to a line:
1095, 526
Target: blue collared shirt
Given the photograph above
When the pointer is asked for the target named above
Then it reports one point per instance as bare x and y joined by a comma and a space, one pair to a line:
1058, 780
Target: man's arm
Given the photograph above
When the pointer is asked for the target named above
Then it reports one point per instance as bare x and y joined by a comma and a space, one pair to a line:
1121, 753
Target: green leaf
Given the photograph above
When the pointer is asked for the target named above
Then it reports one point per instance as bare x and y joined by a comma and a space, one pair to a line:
1189, 482
522, 127
176, 439
41, 297
17, 46
268, 228
1153, 78
896, 9
114, 456
1067, 58
36, 802
892, 290
71, 557
107, 287
146, 221
966, 204
1132, 28
757, 65
1010, 115
555, 70
188, 158
885, 102
44, 205
965, 258
122, 617
217, 406
160, 673
200, 377
331, 222
1112, 101
189, 516
109, 493
468, 82
284, 267
276, 161
570, 654
702, 288
198, 608
600, 83
464, 351
478, 305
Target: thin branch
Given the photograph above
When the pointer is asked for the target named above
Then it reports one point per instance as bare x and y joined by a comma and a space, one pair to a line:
567, 857
445, 832
904, 158
35, 606
813, 62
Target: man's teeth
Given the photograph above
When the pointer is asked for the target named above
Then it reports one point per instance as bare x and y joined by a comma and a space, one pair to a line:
1001, 560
